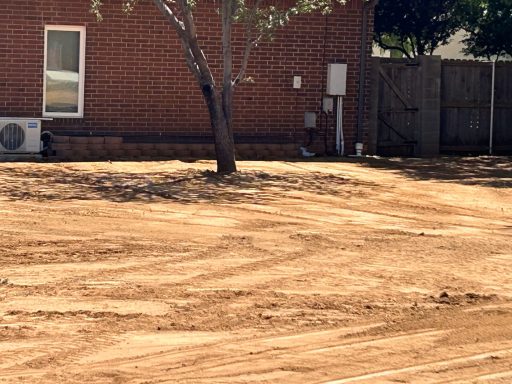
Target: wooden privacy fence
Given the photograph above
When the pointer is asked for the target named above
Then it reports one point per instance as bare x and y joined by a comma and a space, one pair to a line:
431, 106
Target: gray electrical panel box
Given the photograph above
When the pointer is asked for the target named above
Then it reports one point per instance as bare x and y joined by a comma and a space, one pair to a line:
327, 104
309, 120
337, 79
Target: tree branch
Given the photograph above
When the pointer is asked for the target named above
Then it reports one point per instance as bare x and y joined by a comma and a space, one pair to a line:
384, 45
413, 48
190, 32
249, 42
227, 54
171, 17
179, 28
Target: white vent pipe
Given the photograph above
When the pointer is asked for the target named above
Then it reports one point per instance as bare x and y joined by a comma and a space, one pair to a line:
340, 140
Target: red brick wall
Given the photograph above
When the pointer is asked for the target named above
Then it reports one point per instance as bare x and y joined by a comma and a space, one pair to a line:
137, 80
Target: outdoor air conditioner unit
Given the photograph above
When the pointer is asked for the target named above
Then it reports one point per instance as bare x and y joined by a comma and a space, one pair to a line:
20, 135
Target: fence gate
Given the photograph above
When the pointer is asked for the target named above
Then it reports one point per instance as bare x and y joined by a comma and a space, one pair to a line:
395, 91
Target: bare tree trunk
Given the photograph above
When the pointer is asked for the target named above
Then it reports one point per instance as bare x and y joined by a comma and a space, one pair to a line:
223, 137
220, 123
226, 148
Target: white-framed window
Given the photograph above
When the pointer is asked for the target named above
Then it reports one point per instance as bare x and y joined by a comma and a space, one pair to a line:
64, 71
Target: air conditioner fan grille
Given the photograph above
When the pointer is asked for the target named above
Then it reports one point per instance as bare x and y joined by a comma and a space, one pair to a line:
12, 136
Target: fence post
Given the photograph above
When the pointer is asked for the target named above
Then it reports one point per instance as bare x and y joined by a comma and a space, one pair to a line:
429, 106
373, 124
491, 123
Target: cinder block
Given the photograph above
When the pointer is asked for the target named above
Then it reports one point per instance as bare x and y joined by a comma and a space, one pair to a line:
78, 139
163, 146
113, 140
292, 154
165, 150
60, 139
115, 153
290, 147
195, 147
243, 147
182, 152
200, 154
210, 153
133, 153
276, 152
110, 146
79, 146
96, 140
99, 154
151, 153
64, 154
97, 148
61, 146
144, 147
130, 146
262, 154
248, 154
81, 154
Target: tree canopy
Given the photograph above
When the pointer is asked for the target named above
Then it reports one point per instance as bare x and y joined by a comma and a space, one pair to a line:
489, 28
417, 27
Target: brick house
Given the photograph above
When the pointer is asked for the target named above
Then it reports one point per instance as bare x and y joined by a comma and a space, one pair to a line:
122, 84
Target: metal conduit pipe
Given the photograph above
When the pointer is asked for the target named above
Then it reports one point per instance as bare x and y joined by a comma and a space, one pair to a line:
491, 123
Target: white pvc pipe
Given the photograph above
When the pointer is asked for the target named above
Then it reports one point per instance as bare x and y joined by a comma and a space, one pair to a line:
491, 125
340, 140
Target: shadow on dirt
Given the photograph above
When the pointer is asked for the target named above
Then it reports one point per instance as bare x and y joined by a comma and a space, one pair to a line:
485, 171
185, 186
64, 182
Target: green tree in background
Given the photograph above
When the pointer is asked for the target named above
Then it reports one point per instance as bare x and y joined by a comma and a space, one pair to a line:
417, 27
489, 28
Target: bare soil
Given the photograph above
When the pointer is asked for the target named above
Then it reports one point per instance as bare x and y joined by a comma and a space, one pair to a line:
374, 271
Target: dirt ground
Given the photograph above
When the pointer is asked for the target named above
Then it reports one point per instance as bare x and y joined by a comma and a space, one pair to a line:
371, 271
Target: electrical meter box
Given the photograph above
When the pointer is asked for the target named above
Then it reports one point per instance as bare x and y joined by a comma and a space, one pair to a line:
327, 104
337, 79
309, 120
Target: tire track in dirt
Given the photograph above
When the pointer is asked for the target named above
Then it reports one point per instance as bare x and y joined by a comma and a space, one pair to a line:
93, 345
408, 214
429, 366
498, 370
56, 355
52, 358
505, 374
251, 367
138, 264
270, 261
211, 358
163, 264
384, 199
226, 368
238, 342
275, 353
